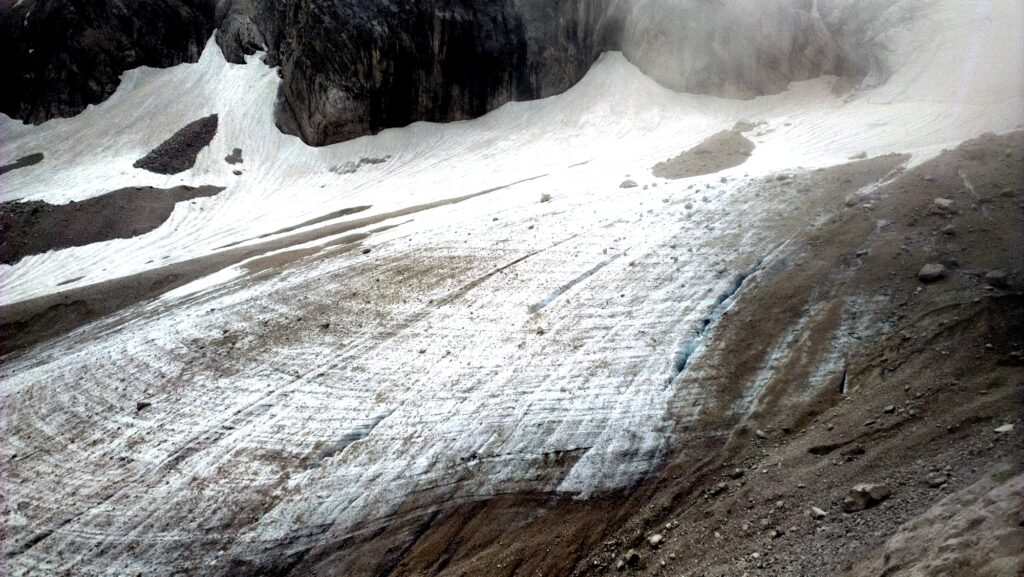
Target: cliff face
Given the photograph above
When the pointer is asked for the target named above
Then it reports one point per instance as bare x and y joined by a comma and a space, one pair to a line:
62, 57
351, 68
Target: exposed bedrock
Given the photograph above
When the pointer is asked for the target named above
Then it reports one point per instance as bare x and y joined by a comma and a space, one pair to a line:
351, 67
60, 57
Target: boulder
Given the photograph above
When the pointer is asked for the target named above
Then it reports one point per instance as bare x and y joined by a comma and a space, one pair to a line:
997, 278
932, 272
865, 495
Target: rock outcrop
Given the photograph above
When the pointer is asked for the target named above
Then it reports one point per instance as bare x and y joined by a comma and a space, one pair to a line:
62, 57
357, 67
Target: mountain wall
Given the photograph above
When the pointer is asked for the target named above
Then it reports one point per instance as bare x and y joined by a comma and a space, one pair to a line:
355, 67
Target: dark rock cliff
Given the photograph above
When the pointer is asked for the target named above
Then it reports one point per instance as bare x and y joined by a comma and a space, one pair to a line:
60, 57
355, 67
351, 69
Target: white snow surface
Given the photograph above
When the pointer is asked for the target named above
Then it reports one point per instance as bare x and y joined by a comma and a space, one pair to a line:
438, 375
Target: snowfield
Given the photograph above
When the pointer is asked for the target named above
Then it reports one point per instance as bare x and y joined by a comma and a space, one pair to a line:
427, 356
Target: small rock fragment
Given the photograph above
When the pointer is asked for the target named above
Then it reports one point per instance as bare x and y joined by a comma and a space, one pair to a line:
655, 540
818, 513
931, 272
628, 184
996, 278
853, 450
1004, 428
865, 495
944, 204
142, 405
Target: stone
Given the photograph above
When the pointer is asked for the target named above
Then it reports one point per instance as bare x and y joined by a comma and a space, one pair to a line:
935, 480
944, 204
932, 272
859, 156
1002, 429
997, 278
179, 152
864, 496
235, 157
889, 409
853, 450
853, 199
736, 473
655, 540
632, 557
818, 513
628, 184
142, 405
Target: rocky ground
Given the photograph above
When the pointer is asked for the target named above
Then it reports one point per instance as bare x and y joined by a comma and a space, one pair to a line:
928, 411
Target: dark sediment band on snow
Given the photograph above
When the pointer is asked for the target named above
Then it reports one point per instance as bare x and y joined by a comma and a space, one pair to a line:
35, 227
22, 162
